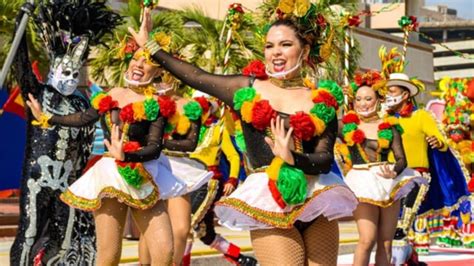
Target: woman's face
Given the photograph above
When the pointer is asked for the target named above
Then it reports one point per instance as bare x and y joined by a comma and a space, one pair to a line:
365, 101
283, 50
141, 69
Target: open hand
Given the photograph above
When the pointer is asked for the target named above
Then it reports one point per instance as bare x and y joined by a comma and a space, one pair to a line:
145, 28
281, 145
387, 172
35, 106
115, 146
228, 188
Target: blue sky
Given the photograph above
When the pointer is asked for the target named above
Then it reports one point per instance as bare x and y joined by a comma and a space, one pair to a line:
465, 8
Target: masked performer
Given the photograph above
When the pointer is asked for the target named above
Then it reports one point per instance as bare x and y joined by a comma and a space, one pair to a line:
49, 231
290, 130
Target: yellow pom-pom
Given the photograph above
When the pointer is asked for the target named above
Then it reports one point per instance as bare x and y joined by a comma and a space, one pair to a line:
391, 120
274, 169
348, 138
319, 125
246, 111
96, 100
383, 143
183, 125
138, 111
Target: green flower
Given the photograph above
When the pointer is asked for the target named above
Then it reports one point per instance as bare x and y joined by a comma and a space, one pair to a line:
404, 21
152, 109
192, 110
292, 185
242, 95
131, 176
348, 128
323, 112
332, 87
386, 134
240, 140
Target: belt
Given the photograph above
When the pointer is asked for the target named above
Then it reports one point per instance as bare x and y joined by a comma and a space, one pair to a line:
367, 166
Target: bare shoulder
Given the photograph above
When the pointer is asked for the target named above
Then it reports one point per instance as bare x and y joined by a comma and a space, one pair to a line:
117, 91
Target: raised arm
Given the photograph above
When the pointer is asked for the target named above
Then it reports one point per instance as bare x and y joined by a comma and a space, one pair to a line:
187, 144
398, 152
80, 119
320, 161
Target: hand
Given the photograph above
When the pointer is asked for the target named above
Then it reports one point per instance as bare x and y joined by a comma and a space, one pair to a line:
115, 147
145, 28
35, 106
228, 188
347, 90
434, 142
281, 145
387, 172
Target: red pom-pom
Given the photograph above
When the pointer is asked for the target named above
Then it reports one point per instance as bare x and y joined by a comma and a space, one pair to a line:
321, 21
126, 114
350, 118
470, 186
326, 98
303, 126
107, 104
125, 164
276, 194
131, 146
255, 68
262, 114
358, 136
354, 21
203, 102
167, 106
384, 125
131, 46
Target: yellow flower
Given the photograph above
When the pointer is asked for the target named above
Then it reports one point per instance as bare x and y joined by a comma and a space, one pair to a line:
348, 138
246, 111
319, 125
163, 40
174, 119
383, 143
183, 125
309, 84
443, 83
391, 120
274, 169
138, 111
286, 6
301, 7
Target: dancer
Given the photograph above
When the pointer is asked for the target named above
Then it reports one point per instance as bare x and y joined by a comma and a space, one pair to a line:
291, 206
49, 231
130, 174
378, 186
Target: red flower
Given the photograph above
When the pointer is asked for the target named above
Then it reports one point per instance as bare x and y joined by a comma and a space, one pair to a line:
203, 102
167, 106
303, 126
131, 46
126, 114
350, 118
358, 136
369, 78
384, 125
255, 68
107, 104
125, 164
321, 21
131, 146
354, 21
327, 98
262, 113
414, 22
237, 7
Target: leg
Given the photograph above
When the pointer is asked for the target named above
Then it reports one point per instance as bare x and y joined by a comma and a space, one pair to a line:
179, 210
155, 226
143, 254
278, 246
321, 241
367, 219
386, 230
109, 222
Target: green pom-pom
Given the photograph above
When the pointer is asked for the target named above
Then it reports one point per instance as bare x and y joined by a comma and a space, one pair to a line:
332, 87
240, 141
348, 128
152, 109
243, 95
131, 176
399, 129
202, 133
169, 128
192, 110
292, 185
385, 134
323, 112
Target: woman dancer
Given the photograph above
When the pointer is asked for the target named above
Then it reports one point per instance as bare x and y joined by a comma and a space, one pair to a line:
291, 207
134, 120
377, 185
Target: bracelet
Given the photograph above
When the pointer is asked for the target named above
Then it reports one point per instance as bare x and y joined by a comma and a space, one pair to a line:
233, 180
42, 121
152, 47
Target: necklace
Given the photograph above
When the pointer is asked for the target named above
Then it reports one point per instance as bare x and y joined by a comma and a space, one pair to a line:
369, 119
288, 83
145, 90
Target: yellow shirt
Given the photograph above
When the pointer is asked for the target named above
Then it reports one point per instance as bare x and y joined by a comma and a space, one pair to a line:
416, 128
219, 141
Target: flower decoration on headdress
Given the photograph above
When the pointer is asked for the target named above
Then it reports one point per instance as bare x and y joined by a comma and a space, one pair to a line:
408, 23
235, 15
391, 62
354, 21
128, 46
299, 8
150, 3
371, 78
163, 39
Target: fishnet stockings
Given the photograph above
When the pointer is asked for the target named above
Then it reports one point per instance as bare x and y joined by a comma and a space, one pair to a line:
321, 241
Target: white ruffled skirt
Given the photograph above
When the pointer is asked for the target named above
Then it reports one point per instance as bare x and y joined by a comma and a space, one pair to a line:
371, 188
252, 206
192, 173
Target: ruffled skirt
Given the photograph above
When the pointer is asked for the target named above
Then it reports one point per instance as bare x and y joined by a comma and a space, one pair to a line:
103, 180
190, 172
371, 188
252, 206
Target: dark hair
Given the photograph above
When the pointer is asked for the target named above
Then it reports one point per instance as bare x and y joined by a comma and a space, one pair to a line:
290, 24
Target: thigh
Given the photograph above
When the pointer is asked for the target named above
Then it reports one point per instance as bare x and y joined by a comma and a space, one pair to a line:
388, 221
367, 219
109, 224
278, 246
179, 211
321, 241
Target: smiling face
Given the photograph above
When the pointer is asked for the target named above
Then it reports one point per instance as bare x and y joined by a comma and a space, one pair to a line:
366, 101
283, 50
141, 69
